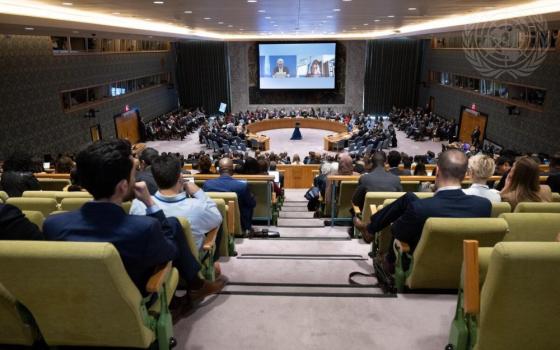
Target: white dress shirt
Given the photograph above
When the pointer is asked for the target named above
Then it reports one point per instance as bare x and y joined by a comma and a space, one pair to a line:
483, 191
201, 211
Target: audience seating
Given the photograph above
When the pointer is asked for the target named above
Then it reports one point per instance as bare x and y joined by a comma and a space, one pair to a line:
3, 197
555, 197
537, 207
410, 186
53, 184
230, 197
517, 306
499, 208
81, 294
16, 328
532, 227
263, 196
43, 205
436, 262
205, 255
344, 204
35, 217
70, 204
58, 195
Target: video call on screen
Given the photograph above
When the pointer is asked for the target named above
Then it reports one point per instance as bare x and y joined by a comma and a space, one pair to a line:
297, 66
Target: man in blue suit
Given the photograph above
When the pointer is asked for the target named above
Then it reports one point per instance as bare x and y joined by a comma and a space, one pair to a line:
408, 213
226, 183
107, 170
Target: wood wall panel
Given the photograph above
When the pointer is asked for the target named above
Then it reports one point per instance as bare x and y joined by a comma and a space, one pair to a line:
298, 176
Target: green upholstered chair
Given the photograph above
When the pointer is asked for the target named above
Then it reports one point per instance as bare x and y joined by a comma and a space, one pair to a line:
227, 197
555, 197
344, 202
499, 208
205, 255
16, 327
262, 191
40, 194
70, 204
532, 227
58, 195
35, 217
223, 248
53, 184
81, 294
410, 186
436, 261
537, 207
517, 306
3, 196
43, 205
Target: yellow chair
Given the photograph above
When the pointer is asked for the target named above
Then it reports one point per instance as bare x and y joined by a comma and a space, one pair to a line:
499, 208
16, 327
53, 184
35, 217
532, 227
344, 200
3, 197
58, 195
410, 186
81, 294
43, 205
228, 197
205, 255
70, 204
537, 207
555, 197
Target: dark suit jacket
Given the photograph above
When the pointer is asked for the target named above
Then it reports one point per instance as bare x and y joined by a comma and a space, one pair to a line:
285, 70
143, 242
147, 176
553, 181
377, 181
246, 200
408, 216
398, 172
15, 226
15, 183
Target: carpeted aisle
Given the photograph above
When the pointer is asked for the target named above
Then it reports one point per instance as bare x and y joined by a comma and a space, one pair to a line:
293, 293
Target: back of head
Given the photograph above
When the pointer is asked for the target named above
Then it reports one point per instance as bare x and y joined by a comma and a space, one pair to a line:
378, 160
226, 166
524, 179
204, 164
148, 155
102, 165
481, 166
345, 166
394, 159
263, 166
251, 166
420, 170
452, 165
166, 170
555, 160
63, 165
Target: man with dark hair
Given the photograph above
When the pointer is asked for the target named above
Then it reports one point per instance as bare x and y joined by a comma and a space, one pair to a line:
553, 179
15, 226
503, 167
378, 180
107, 170
226, 183
408, 213
394, 160
145, 174
172, 197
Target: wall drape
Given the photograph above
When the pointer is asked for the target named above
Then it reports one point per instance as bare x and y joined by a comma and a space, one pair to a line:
202, 74
393, 69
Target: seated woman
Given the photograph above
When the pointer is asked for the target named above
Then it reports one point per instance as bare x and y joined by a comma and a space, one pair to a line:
204, 165
522, 184
481, 167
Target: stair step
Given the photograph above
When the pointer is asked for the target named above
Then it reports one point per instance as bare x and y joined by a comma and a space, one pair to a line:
283, 222
296, 215
294, 209
294, 204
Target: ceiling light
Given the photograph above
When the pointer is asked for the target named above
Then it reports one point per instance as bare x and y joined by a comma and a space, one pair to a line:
207, 18
67, 4
391, 16
376, 20
267, 17
329, 16
276, 25
412, 9
188, 12
159, 2
346, 0
261, 11
230, 26
336, 10
251, 0
220, 22
241, 29
366, 24
29, 28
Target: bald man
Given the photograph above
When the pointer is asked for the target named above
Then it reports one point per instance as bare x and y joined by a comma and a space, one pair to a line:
408, 213
226, 183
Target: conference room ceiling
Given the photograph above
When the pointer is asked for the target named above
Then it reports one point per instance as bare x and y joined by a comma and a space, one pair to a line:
262, 19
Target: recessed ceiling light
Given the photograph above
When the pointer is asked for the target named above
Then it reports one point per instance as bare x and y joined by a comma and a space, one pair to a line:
67, 4
116, 13
261, 11
376, 20
391, 16
267, 17
354, 28
207, 18
220, 22
159, 2
329, 16
29, 28
366, 24
412, 9
276, 25
241, 29
230, 26
346, 0
336, 10
251, 0
188, 12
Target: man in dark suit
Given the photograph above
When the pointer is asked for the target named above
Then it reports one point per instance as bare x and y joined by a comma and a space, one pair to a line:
280, 71
226, 183
394, 159
15, 226
408, 213
107, 170
378, 180
553, 179
145, 173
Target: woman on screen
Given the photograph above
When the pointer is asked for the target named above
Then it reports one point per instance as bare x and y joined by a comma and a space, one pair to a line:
315, 69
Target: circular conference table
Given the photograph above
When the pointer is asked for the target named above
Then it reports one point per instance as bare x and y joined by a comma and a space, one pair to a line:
289, 123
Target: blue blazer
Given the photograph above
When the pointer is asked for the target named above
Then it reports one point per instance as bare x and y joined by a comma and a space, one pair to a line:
246, 200
408, 216
143, 242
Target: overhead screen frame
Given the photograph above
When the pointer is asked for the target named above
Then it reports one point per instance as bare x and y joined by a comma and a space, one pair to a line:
336, 62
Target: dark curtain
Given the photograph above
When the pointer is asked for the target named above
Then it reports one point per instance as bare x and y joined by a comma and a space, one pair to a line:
392, 77
202, 74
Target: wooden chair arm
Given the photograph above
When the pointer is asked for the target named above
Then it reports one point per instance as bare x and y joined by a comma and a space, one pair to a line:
210, 239
373, 209
403, 247
471, 292
357, 210
274, 200
158, 278
231, 217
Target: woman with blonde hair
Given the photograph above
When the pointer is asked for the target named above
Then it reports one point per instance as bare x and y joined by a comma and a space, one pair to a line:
296, 159
481, 168
522, 184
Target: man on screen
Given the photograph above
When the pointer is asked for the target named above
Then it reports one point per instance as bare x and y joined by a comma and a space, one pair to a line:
280, 71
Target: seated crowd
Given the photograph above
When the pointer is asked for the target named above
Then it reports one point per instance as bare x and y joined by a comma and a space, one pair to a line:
174, 125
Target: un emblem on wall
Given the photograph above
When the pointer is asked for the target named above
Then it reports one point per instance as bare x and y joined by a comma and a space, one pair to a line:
514, 47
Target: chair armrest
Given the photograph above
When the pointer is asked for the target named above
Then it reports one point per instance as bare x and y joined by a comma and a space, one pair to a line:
471, 291
402, 246
158, 278
210, 240
274, 199
231, 217
373, 209
357, 210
